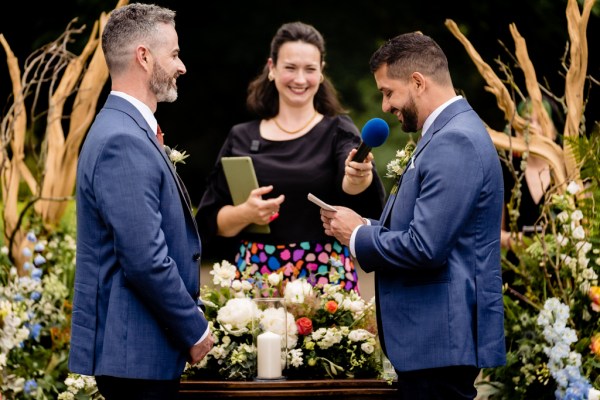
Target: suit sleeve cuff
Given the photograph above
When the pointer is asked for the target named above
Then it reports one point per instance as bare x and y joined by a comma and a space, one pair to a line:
353, 236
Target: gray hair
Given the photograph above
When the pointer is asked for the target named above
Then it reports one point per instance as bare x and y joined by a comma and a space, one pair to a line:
130, 26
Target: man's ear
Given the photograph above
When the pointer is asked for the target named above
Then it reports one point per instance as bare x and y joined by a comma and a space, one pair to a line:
418, 80
142, 55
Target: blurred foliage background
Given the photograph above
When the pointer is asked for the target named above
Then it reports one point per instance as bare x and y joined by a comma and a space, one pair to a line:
225, 44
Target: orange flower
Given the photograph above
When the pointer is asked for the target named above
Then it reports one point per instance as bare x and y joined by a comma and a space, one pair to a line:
594, 295
331, 306
595, 344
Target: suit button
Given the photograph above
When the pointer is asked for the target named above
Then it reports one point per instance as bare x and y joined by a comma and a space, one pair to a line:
196, 257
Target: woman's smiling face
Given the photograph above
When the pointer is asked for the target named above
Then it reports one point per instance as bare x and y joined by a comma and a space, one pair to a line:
298, 72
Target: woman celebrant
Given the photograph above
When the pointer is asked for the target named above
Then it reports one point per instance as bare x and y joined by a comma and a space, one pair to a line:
302, 143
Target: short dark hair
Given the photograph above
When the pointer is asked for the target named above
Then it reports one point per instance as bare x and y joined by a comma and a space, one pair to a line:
263, 98
412, 52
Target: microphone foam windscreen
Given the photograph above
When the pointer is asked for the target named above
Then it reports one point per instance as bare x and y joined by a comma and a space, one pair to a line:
375, 132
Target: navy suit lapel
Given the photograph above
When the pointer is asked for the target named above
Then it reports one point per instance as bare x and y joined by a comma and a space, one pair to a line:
424, 141
446, 115
119, 103
183, 193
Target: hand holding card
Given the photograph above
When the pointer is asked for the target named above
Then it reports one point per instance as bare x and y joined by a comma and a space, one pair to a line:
320, 202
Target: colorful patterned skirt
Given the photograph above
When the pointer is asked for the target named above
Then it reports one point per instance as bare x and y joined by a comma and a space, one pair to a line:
320, 262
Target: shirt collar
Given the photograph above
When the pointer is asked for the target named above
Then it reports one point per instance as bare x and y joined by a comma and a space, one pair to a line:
435, 113
141, 107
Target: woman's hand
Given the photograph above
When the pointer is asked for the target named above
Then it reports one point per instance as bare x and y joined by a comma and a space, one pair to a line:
357, 175
255, 210
260, 211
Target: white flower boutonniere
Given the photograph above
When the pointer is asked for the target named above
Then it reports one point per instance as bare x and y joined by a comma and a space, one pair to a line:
176, 156
397, 165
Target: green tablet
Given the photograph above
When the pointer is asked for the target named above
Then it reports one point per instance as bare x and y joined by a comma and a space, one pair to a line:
241, 180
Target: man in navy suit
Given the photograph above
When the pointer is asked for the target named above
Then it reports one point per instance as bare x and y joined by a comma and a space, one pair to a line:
436, 248
136, 313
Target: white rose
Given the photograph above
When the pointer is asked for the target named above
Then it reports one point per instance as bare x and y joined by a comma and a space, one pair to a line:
237, 315
297, 290
367, 347
360, 334
275, 278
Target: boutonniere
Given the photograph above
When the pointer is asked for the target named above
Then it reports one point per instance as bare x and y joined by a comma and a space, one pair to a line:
398, 164
176, 156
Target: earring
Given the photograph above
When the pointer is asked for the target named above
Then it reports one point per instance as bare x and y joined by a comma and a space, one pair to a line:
271, 77
322, 78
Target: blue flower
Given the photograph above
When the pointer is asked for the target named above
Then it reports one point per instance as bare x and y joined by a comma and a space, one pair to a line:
31, 237
36, 274
35, 331
35, 296
18, 297
30, 386
39, 247
27, 252
39, 260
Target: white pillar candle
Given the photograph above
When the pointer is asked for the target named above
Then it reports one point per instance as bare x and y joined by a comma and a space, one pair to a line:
269, 355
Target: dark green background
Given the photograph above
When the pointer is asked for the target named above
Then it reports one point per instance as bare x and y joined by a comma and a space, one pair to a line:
225, 44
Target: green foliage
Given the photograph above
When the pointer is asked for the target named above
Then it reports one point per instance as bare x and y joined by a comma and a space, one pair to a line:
561, 262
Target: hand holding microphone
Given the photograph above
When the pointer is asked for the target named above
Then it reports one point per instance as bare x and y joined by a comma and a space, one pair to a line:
358, 173
374, 134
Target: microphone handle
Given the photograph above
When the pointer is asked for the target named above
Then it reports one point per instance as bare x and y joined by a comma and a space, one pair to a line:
361, 153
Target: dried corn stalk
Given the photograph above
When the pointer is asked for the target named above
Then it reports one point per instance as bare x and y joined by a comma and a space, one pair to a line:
561, 161
64, 76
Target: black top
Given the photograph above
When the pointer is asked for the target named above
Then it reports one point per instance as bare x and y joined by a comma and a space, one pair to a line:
311, 163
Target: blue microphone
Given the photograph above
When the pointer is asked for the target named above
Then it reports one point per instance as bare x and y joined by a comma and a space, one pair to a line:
374, 133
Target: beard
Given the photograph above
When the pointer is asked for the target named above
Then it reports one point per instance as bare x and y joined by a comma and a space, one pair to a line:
410, 116
163, 85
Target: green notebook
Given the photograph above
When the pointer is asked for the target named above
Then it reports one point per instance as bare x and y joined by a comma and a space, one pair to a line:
241, 180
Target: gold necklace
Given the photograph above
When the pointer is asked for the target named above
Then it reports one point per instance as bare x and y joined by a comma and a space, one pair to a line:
297, 130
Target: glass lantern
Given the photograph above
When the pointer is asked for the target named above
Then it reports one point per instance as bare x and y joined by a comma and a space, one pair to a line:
269, 328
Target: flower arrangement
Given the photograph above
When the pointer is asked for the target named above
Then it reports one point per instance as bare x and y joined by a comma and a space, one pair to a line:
552, 300
330, 331
35, 319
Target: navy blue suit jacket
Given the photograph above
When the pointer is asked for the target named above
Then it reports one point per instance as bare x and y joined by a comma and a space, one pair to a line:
135, 311
436, 250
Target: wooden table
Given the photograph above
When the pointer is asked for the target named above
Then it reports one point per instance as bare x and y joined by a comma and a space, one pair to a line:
346, 389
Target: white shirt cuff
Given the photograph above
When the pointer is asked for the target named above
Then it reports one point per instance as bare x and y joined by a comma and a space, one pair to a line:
353, 236
205, 334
